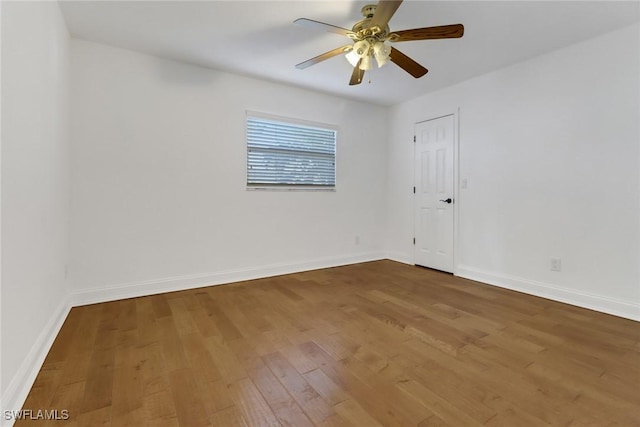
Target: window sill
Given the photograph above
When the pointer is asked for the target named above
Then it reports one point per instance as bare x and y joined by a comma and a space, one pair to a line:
296, 188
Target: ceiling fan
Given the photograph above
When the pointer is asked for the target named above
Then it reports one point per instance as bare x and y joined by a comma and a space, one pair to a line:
370, 37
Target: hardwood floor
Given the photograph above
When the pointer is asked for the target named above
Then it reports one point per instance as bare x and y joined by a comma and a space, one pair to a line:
371, 344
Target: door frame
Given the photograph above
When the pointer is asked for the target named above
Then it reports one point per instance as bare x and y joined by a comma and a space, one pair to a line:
456, 181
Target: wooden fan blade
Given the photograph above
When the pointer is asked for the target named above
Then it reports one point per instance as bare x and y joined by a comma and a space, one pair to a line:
384, 12
322, 26
407, 64
357, 75
335, 52
442, 32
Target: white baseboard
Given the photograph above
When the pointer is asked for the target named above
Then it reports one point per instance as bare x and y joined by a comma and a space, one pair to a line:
400, 257
171, 284
21, 383
569, 296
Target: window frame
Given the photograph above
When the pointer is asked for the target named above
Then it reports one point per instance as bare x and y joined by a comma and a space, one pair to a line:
294, 122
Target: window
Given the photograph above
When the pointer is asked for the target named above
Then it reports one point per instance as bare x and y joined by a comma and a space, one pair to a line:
289, 153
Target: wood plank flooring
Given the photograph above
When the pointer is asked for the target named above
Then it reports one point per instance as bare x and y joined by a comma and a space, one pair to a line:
372, 344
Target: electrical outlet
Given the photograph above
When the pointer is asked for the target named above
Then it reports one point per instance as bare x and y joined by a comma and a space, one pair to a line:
357, 240
556, 264
464, 183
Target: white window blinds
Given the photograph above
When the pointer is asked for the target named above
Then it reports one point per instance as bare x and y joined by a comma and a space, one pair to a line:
290, 154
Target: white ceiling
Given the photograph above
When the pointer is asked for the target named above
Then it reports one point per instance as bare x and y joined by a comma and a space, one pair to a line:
259, 39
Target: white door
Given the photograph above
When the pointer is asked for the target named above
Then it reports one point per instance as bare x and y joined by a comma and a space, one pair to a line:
434, 173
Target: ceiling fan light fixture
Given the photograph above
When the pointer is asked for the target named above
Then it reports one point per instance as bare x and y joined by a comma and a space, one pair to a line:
361, 48
352, 57
361, 51
366, 63
381, 51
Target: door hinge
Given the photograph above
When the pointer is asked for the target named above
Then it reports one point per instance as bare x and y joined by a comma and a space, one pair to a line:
414, 240
414, 190
414, 138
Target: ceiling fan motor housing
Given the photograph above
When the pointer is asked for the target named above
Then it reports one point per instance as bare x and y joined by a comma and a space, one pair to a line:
363, 31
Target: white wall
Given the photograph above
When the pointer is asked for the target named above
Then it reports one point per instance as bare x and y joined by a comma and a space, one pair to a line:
35, 189
550, 149
158, 178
